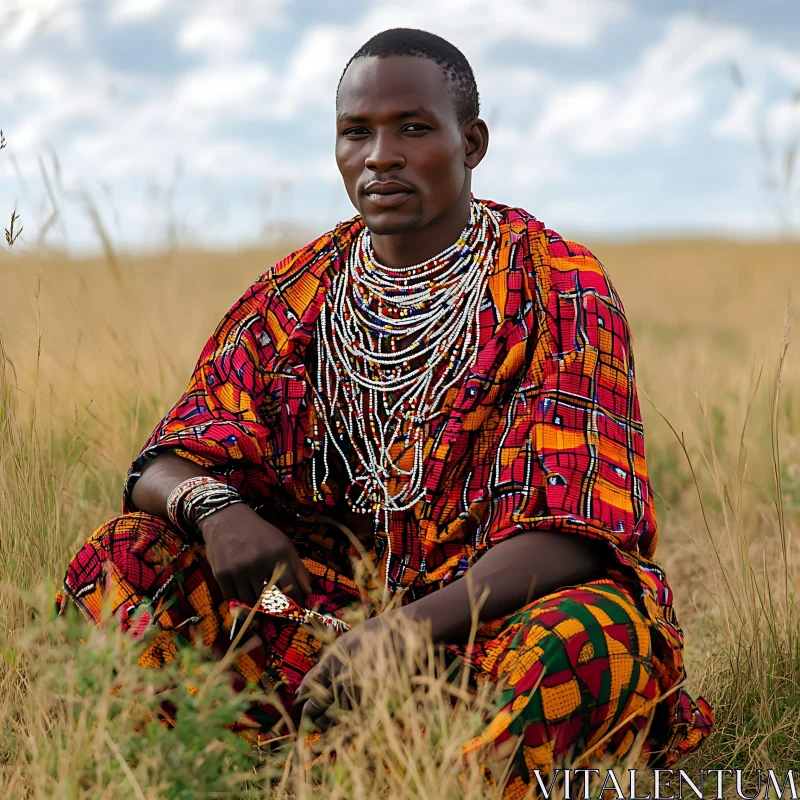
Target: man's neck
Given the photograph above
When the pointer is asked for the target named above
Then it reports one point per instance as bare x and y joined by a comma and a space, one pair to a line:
404, 249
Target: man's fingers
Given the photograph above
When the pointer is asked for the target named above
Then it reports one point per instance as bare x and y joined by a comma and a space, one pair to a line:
324, 721
323, 714
244, 591
314, 694
227, 587
316, 682
313, 711
257, 588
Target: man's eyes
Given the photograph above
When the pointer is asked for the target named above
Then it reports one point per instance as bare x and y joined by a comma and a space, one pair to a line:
412, 127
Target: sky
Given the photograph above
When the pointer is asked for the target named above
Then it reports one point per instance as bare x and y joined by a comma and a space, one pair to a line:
211, 122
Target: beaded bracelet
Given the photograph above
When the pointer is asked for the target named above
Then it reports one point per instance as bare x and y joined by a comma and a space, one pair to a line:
179, 492
197, 498
204, 500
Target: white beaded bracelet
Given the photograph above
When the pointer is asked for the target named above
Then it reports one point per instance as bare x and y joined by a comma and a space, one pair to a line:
197, 498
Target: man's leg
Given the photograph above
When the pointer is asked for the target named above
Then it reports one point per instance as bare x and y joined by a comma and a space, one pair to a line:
146, 573
572, 666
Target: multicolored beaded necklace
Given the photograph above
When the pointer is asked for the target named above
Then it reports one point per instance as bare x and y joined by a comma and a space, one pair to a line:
390, 343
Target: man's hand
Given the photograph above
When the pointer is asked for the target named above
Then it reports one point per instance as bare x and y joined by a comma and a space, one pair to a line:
509, 576
245, 550
332, 679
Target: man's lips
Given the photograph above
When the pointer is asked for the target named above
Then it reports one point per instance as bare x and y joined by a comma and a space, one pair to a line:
387, 194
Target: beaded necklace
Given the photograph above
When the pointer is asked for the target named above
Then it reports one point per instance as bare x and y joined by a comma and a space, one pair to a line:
390, 343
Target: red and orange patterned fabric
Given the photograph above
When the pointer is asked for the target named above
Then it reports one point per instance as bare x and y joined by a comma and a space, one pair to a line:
544, 432
579, 669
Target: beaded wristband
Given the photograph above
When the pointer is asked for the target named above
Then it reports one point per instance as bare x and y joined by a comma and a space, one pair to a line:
204, 500
178, 494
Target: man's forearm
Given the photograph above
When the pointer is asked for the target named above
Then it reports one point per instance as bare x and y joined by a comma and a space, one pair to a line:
159, 478
513, 573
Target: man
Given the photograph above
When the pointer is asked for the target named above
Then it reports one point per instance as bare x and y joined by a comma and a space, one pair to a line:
453, 384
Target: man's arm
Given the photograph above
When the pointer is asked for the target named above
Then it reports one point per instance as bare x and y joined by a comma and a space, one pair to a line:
159, 478
515, 572
219, 421
243, 549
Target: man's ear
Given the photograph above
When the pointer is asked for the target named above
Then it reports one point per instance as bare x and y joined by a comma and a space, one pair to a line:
476, 139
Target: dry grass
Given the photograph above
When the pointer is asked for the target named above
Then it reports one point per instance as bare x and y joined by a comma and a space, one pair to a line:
91, 358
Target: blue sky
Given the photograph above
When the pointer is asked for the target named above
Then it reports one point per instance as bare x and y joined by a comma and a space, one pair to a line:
211, 121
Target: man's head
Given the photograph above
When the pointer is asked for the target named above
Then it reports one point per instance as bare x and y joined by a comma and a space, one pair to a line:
408, 133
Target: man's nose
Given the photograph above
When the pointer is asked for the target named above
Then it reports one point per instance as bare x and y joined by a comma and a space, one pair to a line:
385, 154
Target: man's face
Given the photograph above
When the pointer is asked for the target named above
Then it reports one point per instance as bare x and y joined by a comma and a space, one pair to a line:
399, 146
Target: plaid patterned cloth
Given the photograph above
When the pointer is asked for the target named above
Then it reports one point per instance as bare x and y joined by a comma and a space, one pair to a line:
579, 668
544, 432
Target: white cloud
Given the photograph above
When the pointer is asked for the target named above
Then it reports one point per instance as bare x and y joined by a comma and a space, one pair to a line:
311, 74
123, 12
21, 20
783, 120
215, 32
227, 159
654, 101
787, 64
658, 98
228, 27
236, 88
476, 24
218, 28
473, 25
213, 117
739, 122
54, 98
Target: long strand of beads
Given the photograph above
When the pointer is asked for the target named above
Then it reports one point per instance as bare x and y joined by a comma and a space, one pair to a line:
376, 322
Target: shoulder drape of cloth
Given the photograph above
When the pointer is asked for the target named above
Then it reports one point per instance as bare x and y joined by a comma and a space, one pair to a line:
544, 432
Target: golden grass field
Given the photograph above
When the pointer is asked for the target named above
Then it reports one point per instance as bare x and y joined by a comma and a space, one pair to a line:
94, 354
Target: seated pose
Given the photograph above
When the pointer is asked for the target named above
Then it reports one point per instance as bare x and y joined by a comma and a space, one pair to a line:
452, 383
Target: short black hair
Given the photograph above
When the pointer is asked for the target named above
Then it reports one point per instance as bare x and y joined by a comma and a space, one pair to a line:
415, 42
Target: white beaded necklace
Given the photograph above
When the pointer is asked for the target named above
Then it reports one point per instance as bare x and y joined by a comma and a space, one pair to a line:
367, 389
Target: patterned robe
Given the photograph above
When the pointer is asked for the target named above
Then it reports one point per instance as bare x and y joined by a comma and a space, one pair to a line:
544, 432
